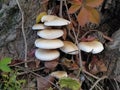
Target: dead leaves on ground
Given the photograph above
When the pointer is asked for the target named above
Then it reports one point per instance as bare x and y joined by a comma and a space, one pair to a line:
97, 66
88, 11
44, 83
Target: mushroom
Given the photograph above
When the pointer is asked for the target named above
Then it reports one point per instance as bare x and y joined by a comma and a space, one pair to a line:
51, 20
46, 55
48, 44
59, 74
69, 48
47, 18
57, 22
50, 33
38, 26
91, 46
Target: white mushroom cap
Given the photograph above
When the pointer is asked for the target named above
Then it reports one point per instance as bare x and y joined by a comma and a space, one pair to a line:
48, 44
92, 46
57, 22
47, 18
69, 48
46, 55
50, 33
59, 74
51, 20
38, 26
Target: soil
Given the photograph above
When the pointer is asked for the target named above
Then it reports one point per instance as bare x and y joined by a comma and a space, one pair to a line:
11, 37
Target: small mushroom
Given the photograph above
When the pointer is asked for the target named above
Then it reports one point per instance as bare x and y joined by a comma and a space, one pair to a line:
69, 48
51, 20
91, 46
39, 27
46, 55
59, 74
47, 18
48, 44
50, 33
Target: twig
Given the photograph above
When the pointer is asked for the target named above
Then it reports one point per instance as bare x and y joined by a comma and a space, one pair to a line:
102, 78
23, 32
117, 85
12, 65
90, 74
26, 72
80, 58
60, 10
106, 37
91, 80
25, 69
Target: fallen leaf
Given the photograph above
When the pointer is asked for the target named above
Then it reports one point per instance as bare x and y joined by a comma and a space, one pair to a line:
74, 8
97, 66
93, 15
101, 66
43, 83
4, 64
83, 16
69, 64
77, 2
38, 18
87, 13
94, 3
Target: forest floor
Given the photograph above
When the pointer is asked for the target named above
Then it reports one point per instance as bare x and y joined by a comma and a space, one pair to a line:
21, 70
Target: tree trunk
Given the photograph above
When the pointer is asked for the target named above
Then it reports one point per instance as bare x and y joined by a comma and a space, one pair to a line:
11, 36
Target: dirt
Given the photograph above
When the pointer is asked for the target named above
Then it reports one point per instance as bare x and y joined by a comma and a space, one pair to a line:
11, 37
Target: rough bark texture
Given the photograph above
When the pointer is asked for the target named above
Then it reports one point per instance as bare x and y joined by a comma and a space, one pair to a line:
11, 38
110, 23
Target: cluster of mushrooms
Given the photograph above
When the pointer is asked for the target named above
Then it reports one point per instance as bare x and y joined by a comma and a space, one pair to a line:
49, 43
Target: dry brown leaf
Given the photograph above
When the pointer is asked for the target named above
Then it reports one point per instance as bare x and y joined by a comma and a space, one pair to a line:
70, 64
77, 2
74, 8
101, 66
83, 16
38, 18
43, 82
51, 64
93, 15
94, 3
97, 66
